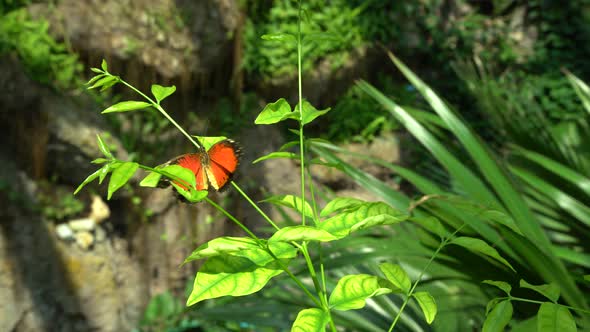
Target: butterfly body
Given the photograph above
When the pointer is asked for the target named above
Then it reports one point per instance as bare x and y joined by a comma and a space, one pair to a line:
213, 168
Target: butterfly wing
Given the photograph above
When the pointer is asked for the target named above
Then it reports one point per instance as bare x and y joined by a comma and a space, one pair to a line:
193, 162
223, 162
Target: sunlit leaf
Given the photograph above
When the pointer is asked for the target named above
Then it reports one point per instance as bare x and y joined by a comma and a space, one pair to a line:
310, 320
107, 81
427, 304
126, 106
277, 155
161, 92
180, 175
104, 148
339, 204
191, 194
104, 65
302, 233
151, 180
239, 273
222, 245
281, 37
352, 291
274, 112
480, 247
310, 113
293, 202
362, 216
89, 179
120, 176
397, 276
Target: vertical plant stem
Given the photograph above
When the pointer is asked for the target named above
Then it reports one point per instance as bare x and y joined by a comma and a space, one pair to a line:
299, 86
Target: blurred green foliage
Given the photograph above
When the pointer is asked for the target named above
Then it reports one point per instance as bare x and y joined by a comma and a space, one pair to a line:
524, 41
46, 60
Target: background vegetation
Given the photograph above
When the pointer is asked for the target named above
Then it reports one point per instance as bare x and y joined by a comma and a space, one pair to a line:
492, 96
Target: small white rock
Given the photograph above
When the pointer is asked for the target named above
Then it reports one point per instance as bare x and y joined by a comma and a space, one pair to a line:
83, 224
64, 232
84, 240
99, 210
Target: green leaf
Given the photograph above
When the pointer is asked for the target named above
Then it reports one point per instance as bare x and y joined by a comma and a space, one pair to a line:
550, 291
275, 112
362, 216
182, 176
555, 318
499, 317
293, 202
89, 179
120, 176
587, 277
106, 169
397, 276
431, 224
239, 273
310, 320
427, 304
107, 81
151, 180
191, 194
209, 141
309, 112
480, 247
339, 204
104, 65
222, 245
95, 78
561, 170
301, 233
564, 200
161, 92
126, 106
352, 290
500, 284
104, 148
99, 161
582, 90
281, 37
277, 155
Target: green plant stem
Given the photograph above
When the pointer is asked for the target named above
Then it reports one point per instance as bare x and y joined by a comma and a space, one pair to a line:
232, 218
165, 114
299, 86
513, 298
255, 206
297, 281
443, 243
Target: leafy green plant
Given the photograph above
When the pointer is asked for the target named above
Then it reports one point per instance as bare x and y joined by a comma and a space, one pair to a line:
47, 60
499, 210
238, 266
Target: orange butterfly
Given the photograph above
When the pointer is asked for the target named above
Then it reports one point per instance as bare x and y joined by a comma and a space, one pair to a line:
213, 168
